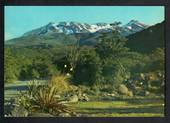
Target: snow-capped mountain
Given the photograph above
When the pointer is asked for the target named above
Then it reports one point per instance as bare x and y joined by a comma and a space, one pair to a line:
132, 27
70, 28
75, 27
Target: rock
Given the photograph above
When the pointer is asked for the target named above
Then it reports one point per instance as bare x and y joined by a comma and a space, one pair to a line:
112, 95
83, 94
86, 98
64, 115
123, 89
83, 97
40, 115
73, 99
142, 76
74, 113
19, 112
147, 93
130, 93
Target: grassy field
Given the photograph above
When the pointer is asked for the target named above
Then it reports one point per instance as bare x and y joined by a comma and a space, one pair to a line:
122, 107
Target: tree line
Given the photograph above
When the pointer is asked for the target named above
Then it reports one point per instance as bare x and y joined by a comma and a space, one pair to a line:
109, 61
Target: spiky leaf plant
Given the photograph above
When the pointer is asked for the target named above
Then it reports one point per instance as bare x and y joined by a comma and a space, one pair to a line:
41, 98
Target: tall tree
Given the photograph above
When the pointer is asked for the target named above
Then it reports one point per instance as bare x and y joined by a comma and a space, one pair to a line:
111, 49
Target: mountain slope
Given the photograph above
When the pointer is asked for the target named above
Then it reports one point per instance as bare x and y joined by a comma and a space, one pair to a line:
75, 27
148, 39
70, 32
132, 27
50, 39
70, 28
59, 33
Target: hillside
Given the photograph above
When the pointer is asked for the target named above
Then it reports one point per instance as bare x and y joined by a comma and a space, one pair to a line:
148, 39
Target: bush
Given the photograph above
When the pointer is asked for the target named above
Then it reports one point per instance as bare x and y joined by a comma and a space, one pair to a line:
60, 83
11, 71
41, 98
109, 88
95, 90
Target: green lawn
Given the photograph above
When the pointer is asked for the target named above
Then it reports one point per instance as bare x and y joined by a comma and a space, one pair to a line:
122, 107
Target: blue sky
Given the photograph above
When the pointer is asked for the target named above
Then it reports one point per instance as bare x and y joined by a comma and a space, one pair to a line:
20, 19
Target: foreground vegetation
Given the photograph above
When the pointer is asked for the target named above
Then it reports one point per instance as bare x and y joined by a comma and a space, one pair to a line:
102, 104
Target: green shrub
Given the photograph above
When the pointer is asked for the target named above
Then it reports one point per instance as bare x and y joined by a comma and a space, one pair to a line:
11, 71
41, 98
88, 68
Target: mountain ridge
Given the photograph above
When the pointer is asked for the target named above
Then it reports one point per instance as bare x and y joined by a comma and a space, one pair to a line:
75, 27
48, 34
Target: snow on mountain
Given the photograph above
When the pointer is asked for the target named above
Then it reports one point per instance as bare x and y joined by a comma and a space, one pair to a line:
75, 27
132, 27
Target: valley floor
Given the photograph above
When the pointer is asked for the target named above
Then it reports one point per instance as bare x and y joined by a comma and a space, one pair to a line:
97, 107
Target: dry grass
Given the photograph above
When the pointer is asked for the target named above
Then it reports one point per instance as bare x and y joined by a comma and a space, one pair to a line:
60, 83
